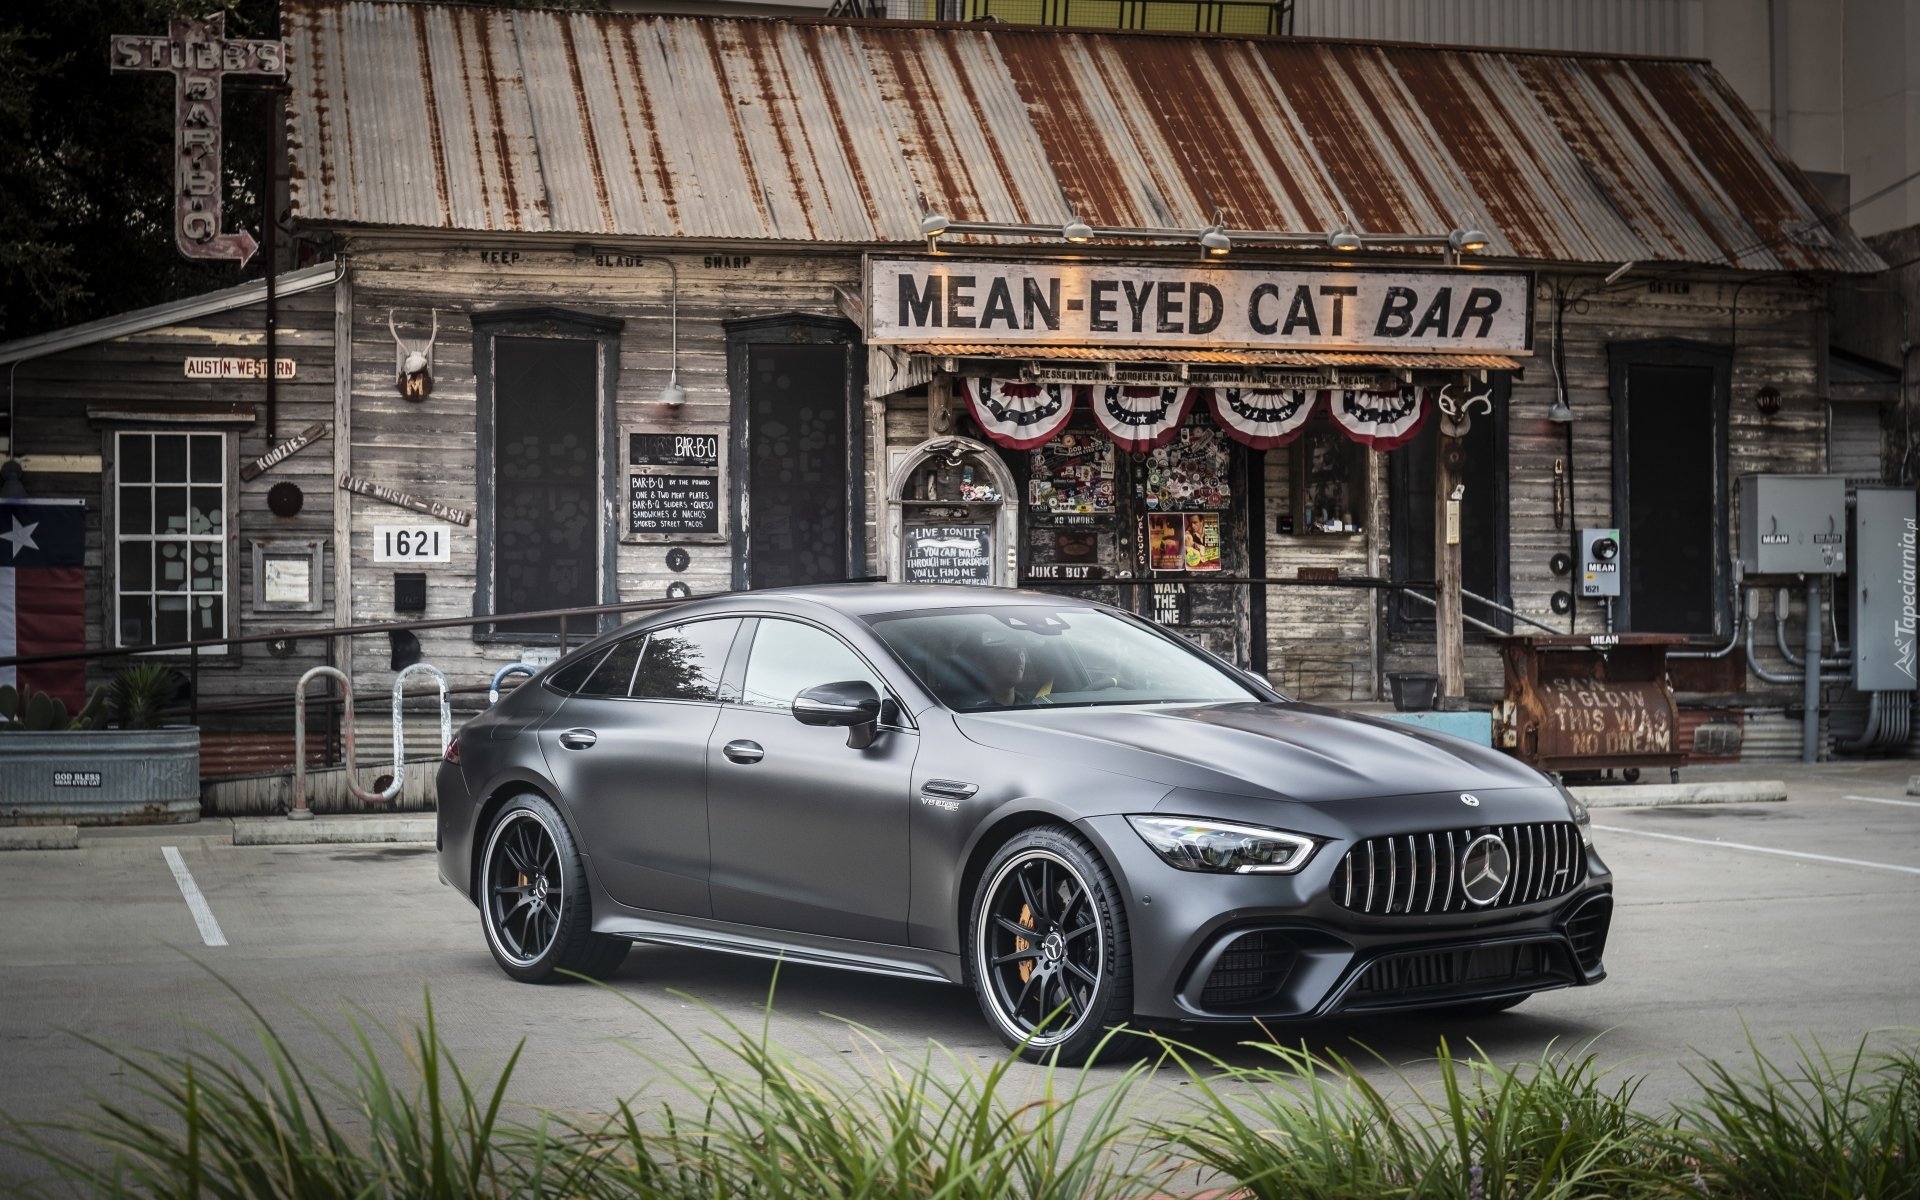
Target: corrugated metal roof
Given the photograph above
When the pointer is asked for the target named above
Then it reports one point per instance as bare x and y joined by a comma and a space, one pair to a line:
621, 125
1224, 358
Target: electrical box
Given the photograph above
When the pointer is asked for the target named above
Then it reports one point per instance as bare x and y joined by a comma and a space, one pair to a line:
1880, 568
1793, 524
1599, 562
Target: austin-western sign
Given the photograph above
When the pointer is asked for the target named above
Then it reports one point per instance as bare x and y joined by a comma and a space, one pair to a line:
931, 301
198, 56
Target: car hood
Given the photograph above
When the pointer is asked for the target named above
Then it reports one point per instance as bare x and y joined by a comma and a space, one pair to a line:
1288, 751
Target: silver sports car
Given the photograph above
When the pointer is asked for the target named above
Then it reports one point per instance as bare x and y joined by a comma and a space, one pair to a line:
1084, 819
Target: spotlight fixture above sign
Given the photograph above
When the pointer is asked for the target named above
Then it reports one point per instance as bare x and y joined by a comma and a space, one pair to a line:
1216, 240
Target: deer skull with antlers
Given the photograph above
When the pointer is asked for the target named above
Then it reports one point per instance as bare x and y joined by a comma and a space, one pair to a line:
1456, 416
413, 364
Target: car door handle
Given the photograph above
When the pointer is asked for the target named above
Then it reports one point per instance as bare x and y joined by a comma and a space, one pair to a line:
743, 751
578, 739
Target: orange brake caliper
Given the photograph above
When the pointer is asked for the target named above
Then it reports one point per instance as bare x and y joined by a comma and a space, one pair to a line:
1022, 945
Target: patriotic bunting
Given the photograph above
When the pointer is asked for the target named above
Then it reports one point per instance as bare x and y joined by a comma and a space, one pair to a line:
1260, 418
1380, 420
1019, 415
1140, 418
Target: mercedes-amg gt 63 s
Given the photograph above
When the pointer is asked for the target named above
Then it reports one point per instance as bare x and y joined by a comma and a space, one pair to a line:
1083, 818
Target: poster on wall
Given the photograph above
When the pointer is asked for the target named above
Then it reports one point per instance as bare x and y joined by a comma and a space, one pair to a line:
1183, 542
1191, 471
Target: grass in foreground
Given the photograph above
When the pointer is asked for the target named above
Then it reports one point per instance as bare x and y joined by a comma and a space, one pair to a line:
743, 1117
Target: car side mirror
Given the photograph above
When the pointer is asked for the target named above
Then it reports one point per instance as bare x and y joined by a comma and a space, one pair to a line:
851, 704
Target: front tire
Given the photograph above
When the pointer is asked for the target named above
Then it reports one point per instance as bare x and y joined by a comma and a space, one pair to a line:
534, 906
1048, 955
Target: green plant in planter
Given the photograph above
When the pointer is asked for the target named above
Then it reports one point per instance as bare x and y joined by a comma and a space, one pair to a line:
27, 711
141, 692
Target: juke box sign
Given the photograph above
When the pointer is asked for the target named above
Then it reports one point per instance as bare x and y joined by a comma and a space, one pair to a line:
929, 302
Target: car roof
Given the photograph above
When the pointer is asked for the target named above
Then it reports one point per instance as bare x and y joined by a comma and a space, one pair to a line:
867, 599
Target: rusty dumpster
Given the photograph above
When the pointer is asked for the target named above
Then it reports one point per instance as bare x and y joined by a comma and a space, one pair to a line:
1589, 702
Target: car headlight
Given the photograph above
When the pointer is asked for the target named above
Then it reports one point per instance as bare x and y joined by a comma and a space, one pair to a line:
1582, 819
1196, 845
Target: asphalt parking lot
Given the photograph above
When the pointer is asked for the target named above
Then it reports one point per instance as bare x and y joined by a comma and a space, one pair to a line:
1773, 922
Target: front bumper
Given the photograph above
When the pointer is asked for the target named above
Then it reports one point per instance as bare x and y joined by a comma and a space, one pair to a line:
1235, 948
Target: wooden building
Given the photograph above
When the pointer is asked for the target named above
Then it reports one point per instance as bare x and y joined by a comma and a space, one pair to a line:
668, 286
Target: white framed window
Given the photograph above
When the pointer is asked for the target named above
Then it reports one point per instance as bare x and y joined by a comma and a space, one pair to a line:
172, 504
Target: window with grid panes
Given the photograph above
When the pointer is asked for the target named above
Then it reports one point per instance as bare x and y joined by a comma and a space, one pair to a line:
170, 581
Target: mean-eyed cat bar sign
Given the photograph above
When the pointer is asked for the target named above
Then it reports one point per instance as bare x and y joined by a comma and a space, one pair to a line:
937, 301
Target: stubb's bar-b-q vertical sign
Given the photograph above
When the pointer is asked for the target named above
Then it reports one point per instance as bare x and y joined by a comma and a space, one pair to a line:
198, 55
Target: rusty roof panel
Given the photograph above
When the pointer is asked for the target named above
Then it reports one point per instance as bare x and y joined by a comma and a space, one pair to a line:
440, 116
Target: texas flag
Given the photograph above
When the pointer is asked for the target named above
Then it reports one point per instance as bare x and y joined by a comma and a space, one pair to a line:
43, 600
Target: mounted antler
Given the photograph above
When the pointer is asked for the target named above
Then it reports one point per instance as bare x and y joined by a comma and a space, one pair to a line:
413, 364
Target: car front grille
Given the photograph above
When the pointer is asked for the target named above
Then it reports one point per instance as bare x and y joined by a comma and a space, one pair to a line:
1251, 970
1419, 873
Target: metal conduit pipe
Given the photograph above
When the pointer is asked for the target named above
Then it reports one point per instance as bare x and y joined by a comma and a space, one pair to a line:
1754, 664
1780, 605
1740, 616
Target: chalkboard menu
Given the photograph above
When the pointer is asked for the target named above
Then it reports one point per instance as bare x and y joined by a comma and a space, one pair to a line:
673, 504
949, 554
676, 480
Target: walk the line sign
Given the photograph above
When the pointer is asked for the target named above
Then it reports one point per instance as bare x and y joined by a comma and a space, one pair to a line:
947, 300
198, 55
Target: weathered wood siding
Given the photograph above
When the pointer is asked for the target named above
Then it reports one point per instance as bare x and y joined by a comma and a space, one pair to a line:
429, 448
1777, 342
52, 396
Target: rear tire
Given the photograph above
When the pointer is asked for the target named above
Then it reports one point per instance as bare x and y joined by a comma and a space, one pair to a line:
534, 906
1047, 950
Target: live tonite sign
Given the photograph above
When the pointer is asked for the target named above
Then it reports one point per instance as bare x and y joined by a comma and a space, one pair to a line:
198, 55
936, 301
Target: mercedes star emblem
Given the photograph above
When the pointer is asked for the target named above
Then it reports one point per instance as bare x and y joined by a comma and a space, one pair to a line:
1484, 870
1469, 799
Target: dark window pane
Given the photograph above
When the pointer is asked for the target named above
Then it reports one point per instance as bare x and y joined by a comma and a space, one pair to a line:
136, 566
205, 515
136, 620
789, 658
136, 458
205, 565
575, 671
136, 510
685, 661
1672, 521
170, 458
171, 612
614, 675
208, 453
170, 510
546, 477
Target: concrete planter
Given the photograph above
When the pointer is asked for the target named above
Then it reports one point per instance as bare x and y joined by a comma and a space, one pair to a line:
100, 776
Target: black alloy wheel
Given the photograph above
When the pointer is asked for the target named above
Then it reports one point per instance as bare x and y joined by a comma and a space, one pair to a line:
533, 899
1049, 957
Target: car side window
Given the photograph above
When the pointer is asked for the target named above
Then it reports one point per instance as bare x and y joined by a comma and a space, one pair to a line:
788, 658
684, 662
574, 671
614, 675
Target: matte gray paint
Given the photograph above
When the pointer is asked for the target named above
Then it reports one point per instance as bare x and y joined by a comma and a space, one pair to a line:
820, 890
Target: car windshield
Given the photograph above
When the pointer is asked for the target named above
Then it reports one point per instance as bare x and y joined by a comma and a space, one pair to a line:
1030, 656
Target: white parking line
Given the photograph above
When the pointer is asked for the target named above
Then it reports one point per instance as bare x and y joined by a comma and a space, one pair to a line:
1845, 862
196, 903
1878, 800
